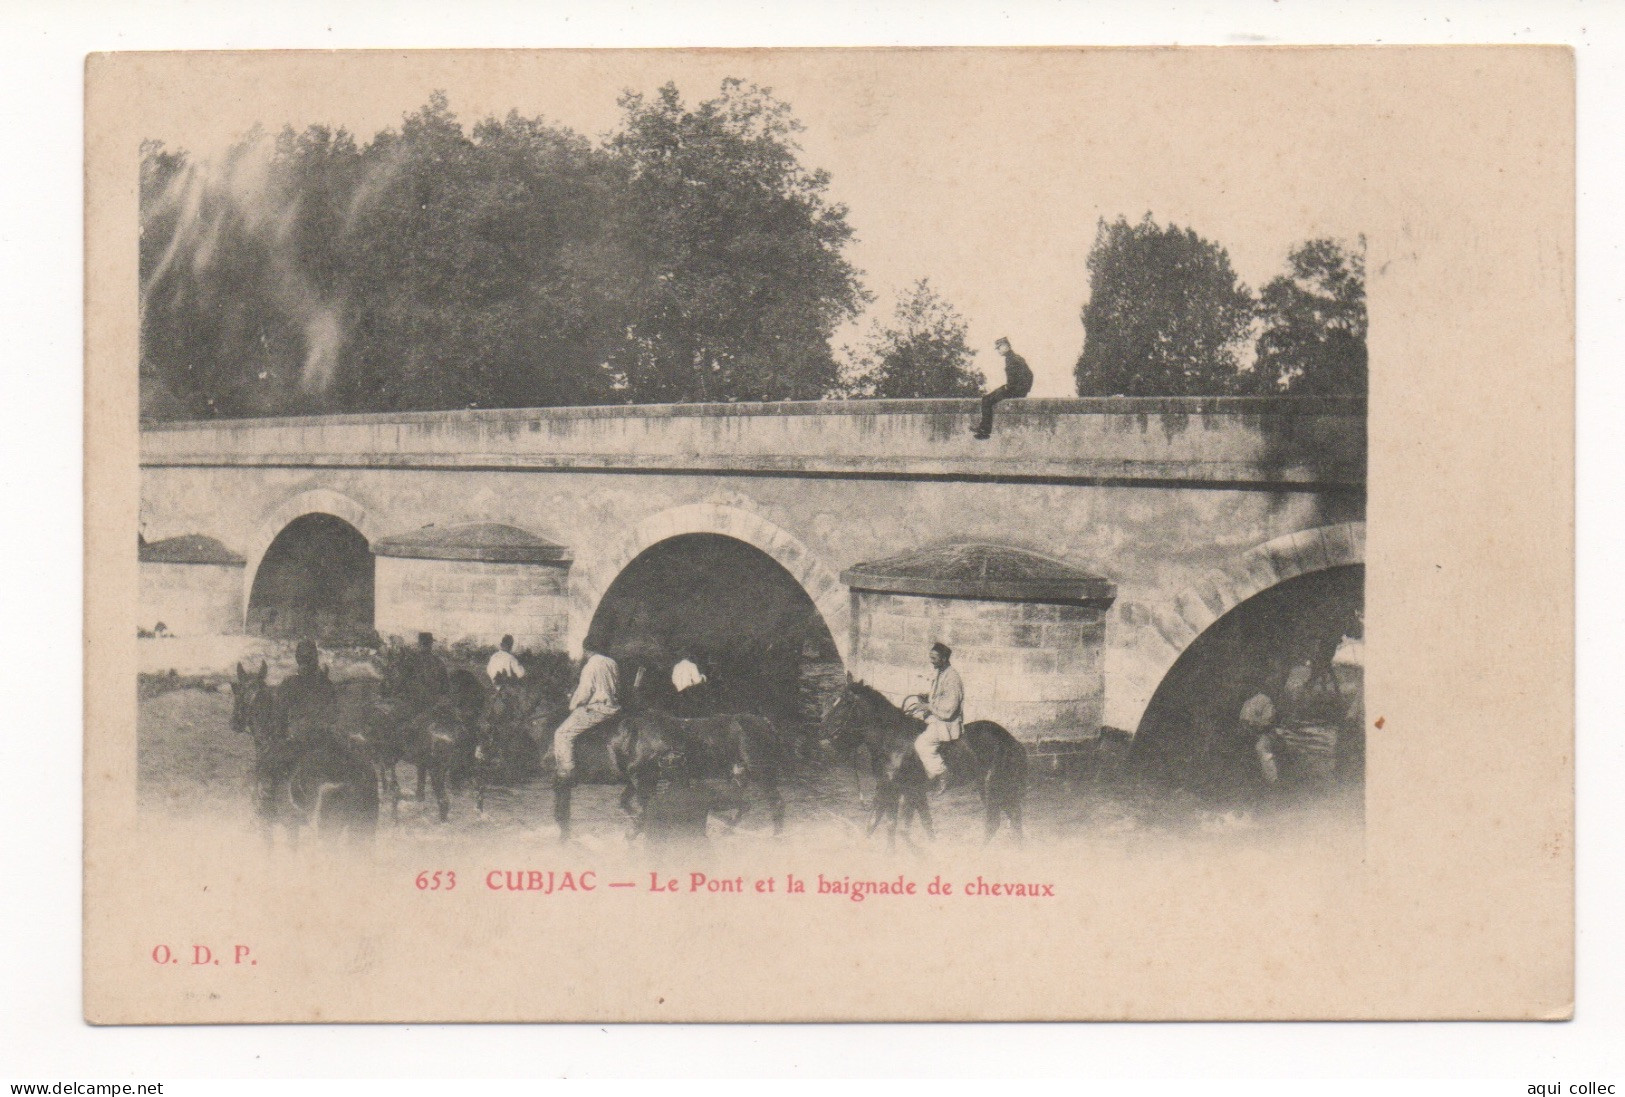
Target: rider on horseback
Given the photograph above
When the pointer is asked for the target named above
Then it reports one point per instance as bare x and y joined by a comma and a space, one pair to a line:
503, 663
306, 700
943, 713
596, 699
424, 681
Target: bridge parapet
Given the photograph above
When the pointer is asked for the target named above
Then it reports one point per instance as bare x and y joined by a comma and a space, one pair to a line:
1293, 442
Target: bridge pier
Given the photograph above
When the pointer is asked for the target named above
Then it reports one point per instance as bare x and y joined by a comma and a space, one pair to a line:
473, 584
1026, 631
191, 585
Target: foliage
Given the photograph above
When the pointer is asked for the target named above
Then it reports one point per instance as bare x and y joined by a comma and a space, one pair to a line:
218, 337
1314, 323
473, 278
740, 279
922, 352
1166, 314
690, 256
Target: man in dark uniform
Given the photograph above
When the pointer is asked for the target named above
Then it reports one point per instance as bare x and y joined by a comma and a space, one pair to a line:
306, 700
303, 708
425, 682
1018, 382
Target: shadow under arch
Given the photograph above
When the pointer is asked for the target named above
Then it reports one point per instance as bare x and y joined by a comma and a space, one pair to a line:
597, 570
737, 612
1191, 736
314, 580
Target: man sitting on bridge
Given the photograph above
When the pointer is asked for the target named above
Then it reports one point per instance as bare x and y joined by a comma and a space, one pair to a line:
943, 713
1018, 382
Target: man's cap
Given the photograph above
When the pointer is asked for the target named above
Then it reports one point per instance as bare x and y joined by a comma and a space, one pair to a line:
1001, 340
507, 642
305, 652
425, 639
942, 649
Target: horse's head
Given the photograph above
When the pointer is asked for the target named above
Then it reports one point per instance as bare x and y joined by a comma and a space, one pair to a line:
250, 698
841, 727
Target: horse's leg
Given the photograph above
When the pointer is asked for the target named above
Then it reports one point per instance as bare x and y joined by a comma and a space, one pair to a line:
923, 809
883, 791
382, 771
893, 807
1013, 809
775, 803
992, 809
265, 809
646, 780
440, 774
561, 806
317, 822
423, 775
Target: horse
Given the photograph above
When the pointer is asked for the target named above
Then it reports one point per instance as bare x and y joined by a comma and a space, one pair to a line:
743, 749
438, 740
504, 749
327, 784
253, 713
986, 756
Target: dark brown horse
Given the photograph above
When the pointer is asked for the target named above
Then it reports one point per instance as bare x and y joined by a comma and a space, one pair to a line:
505, 749
436, 735
986, 756
302, 776
743, 749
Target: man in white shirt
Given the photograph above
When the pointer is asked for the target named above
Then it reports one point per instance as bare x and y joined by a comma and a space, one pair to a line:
943, 712
503, 662
686, 675
596, 699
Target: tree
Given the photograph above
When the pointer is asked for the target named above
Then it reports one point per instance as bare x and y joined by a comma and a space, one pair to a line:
922, 352
475, 278
429, 269
1166, 314
217, 334
517, 264
741, 279
1314, 323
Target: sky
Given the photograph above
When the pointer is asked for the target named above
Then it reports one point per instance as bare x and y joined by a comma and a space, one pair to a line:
985, 171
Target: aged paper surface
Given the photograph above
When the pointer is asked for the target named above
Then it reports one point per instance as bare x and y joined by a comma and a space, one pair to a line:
1431, 878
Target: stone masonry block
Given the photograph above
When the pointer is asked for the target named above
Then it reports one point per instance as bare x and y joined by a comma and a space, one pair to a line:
1310, 549
1338, 545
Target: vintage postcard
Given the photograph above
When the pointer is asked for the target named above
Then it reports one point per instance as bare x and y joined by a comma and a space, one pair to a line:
829, 535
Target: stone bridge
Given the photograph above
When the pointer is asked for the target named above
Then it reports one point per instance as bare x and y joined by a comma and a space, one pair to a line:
1070, 561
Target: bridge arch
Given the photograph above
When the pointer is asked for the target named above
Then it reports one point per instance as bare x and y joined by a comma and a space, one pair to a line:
320, 513
1175, 625
589, 585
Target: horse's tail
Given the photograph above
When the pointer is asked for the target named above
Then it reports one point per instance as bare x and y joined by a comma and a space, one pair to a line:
1006, 776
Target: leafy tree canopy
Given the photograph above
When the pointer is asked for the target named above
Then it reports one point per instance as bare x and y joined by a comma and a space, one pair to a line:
741, 281
689, 257
1166, 314
1313, 340
922, 352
